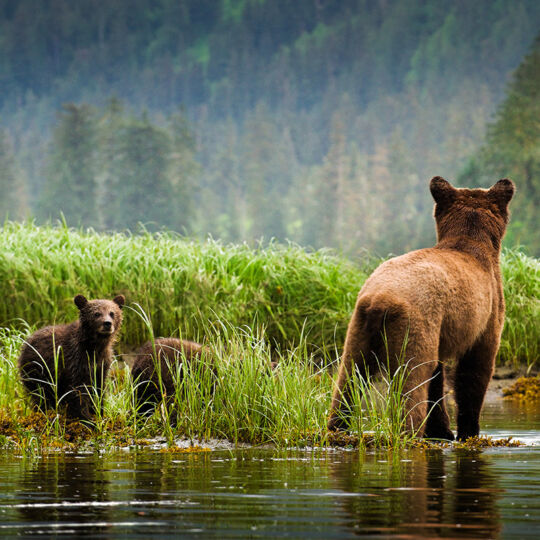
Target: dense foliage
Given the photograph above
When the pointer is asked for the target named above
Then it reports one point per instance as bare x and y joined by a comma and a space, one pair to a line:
320, 122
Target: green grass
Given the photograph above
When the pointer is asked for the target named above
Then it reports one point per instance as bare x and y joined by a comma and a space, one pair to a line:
296, 295
247, 402
249, 306
181, 284
520, 342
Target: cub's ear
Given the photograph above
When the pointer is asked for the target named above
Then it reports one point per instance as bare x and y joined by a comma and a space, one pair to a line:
441, 190
119, 300
80, 301
501, 193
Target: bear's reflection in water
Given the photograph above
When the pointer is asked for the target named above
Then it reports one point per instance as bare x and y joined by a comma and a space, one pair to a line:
64, 493
431, 494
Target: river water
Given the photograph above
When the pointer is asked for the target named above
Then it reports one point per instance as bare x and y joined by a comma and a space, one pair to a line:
269, 493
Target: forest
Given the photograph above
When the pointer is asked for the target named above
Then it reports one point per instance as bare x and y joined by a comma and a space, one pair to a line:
315, 121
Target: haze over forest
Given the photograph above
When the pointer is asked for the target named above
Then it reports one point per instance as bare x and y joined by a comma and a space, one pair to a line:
317, 121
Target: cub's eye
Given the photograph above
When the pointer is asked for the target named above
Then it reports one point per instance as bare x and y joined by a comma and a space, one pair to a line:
97, 314
111, 314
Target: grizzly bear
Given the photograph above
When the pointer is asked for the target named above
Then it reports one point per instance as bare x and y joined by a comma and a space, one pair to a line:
66, 365
146, 371
432, 305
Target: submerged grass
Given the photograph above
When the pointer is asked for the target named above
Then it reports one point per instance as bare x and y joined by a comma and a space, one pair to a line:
300, 298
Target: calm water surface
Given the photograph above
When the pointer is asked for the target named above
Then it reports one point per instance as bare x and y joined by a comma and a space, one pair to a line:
253, 493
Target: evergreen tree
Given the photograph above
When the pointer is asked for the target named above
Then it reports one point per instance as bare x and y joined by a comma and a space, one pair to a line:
142, 191
329, 199
221, 188
12, 188
512, 150
183, 171
71, 183
268, 169
110, 127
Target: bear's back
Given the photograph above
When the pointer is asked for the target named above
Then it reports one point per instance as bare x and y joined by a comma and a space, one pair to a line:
44, 344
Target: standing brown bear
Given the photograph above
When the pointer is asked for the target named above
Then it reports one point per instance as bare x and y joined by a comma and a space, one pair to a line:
66, 365
432, 305
146, 371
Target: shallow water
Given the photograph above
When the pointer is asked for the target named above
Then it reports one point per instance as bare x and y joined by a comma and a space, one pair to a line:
268, 493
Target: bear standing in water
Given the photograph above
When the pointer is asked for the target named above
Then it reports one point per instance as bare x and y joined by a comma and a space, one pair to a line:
82, 351
432, 305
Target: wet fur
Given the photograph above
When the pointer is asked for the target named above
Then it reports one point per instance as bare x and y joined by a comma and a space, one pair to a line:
444, 302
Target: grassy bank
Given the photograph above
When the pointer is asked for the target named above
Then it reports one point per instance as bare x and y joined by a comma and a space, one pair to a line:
250, 306
189, 287
246, 401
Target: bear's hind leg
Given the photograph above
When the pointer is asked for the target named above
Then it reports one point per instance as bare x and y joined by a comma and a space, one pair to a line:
438, 422
355, 355
473, 373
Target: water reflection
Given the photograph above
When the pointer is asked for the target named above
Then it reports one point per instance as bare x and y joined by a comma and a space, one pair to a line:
59, 492
425, 494
268, 493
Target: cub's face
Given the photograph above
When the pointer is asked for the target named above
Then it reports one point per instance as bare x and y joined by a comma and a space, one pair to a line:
101, 318
474, 213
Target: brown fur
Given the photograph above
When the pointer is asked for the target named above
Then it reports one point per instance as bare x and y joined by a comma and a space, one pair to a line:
171, 352
83, 350
446, 302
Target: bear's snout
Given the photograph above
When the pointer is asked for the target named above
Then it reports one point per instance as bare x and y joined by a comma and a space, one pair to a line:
107, 326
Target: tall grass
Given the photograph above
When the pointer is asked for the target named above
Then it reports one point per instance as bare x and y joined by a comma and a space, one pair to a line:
296, 295
520, 342
182, 284
245, 401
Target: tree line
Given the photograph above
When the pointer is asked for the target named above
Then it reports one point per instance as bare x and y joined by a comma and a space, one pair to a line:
319, 122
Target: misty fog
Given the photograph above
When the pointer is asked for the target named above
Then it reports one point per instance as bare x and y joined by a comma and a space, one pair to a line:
318, 122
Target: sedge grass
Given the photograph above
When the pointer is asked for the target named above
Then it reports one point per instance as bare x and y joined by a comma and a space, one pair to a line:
296, 295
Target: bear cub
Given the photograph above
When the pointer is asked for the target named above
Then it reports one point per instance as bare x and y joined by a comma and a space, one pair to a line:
83, 352
171, 354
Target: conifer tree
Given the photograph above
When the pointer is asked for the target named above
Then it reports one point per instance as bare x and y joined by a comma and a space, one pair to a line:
512, 150
141, 191
71, 183
12, 188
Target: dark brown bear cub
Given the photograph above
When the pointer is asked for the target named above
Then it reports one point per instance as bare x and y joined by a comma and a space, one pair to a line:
66, 365
171, 353
432, 305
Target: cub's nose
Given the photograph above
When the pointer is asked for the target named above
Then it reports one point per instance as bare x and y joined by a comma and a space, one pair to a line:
107, 325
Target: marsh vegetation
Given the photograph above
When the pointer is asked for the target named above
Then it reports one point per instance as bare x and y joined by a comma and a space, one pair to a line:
250, 307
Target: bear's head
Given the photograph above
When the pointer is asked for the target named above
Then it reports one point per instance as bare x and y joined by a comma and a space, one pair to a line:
477, 214
100, 319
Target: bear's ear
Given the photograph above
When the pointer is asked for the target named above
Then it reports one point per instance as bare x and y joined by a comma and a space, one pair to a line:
80, 301
120, 300
441, 190
501, 193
